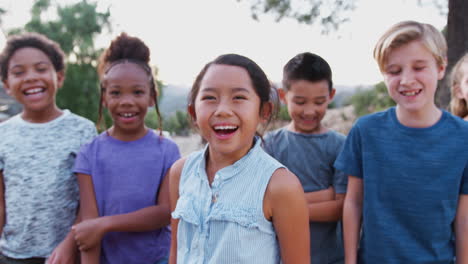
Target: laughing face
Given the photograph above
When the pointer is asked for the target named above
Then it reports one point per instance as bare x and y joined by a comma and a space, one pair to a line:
127, 96
33, 82
307, 104
411, 74
227, 110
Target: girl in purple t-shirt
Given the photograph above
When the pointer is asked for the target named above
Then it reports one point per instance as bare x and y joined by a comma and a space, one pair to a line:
123, 189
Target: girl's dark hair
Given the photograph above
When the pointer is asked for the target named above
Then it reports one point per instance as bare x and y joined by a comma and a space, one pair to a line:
309, 67
127, 49
259, 79
31, 40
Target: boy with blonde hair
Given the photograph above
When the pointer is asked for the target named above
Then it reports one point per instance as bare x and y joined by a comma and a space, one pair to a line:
408, 181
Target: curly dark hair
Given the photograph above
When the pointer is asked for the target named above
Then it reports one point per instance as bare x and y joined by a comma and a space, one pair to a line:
31, 40
127, 49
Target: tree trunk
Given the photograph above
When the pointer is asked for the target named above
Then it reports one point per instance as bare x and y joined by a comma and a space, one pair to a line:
457, 40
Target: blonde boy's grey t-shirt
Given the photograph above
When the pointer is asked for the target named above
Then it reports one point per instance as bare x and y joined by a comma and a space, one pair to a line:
311, 158
41, 192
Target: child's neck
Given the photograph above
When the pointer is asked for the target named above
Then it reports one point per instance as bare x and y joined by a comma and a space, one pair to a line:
125, 135
216, 161
43, 116
418, 119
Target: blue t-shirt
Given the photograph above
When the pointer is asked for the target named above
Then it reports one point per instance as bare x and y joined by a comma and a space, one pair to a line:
412, 180
310, 157
126, 177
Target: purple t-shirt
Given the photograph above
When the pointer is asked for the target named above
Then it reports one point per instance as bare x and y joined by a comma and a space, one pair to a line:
126, 177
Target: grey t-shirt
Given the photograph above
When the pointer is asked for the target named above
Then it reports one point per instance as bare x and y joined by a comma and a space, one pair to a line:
41, 192
311, 158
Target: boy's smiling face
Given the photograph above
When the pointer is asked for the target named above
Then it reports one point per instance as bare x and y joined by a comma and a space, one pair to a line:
411, 74
32, 80
307, 104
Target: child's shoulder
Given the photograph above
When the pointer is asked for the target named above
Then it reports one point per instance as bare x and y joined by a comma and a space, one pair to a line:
74, 120
376, 118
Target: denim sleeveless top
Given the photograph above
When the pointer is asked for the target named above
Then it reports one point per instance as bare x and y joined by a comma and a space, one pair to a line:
225, 223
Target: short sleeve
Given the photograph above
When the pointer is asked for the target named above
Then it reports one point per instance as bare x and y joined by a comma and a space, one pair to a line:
464, 183
172, 155
268, 144
89, 133
349, 161
82, 164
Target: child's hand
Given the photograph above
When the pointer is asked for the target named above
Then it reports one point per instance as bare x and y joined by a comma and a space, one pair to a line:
64, 253
88, 233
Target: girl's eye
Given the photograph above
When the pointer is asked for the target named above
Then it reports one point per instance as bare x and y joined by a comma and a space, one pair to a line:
139, 92
320, 102
299, 102
240, 97
208, 97
114, 93
17, 73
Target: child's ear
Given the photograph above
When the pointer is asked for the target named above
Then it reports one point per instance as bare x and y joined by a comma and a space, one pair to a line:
332, 94
60, 78
441, 70
191, 112
282, 95
6, 87
265, 112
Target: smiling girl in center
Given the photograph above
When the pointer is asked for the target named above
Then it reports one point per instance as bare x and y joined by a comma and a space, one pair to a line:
232, 202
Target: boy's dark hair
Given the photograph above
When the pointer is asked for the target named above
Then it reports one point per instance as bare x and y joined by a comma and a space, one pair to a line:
127, 49
258, 77
31, 40
306, 66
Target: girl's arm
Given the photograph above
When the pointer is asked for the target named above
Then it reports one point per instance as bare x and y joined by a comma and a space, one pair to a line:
461, 230
91, 231
174, 179
88, 210
352, 214
286, 206
2, 203
66, 251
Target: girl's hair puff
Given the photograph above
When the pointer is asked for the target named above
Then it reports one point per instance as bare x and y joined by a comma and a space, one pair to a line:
405, 32
127, 49
458, 106
258, 77
31, 40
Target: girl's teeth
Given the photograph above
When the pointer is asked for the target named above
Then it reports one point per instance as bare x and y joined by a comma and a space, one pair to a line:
128, 115
224, 127
33, 91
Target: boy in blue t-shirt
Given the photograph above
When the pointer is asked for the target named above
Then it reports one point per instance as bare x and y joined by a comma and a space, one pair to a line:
309, 149
408, 165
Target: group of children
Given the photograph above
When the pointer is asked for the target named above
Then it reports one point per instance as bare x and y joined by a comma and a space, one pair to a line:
398, 182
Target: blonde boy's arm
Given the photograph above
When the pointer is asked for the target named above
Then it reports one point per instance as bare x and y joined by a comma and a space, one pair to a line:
2, 203
285, 204
461, 230
174, 180
352, 213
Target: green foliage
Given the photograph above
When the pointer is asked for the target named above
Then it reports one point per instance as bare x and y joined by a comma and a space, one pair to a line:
366, 101
330, 14
75, 29
178, 123
283, 113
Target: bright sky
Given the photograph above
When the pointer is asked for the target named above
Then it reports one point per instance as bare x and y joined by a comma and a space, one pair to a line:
184, 35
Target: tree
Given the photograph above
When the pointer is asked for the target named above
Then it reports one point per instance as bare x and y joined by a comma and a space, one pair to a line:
366, 101
75, 29
332, 14
457, 40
